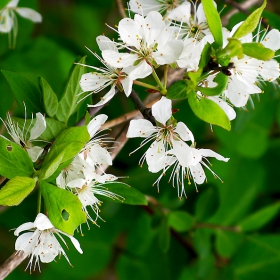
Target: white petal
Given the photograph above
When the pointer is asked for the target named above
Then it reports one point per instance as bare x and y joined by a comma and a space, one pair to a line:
169, 53
104, 43
29, 14
182, 152
39, 127
42, 222
156, 157
210, 153
94, 81
34, 152
95, 124
143, 7
7, 22
200, 13
23, 227
270, 70
106, 98
98, 156
12, 4
77, 183
75, 243
130, 32
227, 108
162, 110
119, 60
198, 173
140, 71
182, 13
127, 85
184, 132
26, 242
140, 128
272, 40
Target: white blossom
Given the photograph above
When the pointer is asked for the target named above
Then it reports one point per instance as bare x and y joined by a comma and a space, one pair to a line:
40, 242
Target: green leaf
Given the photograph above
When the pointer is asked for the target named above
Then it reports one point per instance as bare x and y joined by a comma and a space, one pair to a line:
221, 80
58, 202
24, 91
227, 242
131, 195
67, 145
232, 49
49, 98
69, 101
178, 90
205, 56
53, 129
164, 235
180, 220
258, 51
208, 111
16, 190
14, 160
250, 23
213, 20
258, 219
3, 3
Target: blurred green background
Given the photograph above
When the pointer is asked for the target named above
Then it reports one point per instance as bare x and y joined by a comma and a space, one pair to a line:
227, 231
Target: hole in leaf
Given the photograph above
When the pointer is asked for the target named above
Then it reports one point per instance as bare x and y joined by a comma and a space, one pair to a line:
9, 148
65, 215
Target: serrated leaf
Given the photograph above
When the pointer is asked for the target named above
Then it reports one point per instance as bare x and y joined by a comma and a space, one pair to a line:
250, 24
258, 51
49, 98
69, 101
208, 111
131, 195
164, 236
58, 201
14, 160
178, 90
221, 80
67, 145
258, 219
180, 220
24, 91
16, 190
213, 20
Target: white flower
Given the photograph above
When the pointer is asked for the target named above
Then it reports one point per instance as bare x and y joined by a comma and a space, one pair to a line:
143, 7
191, 25
41, 242
150, 42
107, 76
193, 170
167, 134
87, 189
20, 136
8, 20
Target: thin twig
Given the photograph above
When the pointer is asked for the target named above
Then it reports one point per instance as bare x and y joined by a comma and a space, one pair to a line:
121, 8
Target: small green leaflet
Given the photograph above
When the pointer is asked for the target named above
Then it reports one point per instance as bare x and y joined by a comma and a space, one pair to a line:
180, 220
25, 90
221, 80
258, 51
213, 20
164, 235
208, 111
16, 190
250, 24
130, 195
178, 90
3, 3
14, 160
58, 201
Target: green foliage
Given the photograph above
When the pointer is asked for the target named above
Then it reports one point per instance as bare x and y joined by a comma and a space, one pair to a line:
49, 98
3, 3
258, 51
16, 190
24, 91
14, 160
180, 221
66, 146
164, 235
261, 217
69, 101
213, 20
59, 201
208, 111
129, 195
221, 80
250, 23
178, 90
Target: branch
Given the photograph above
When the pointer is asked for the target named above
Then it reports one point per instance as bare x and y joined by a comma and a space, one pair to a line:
121, 8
